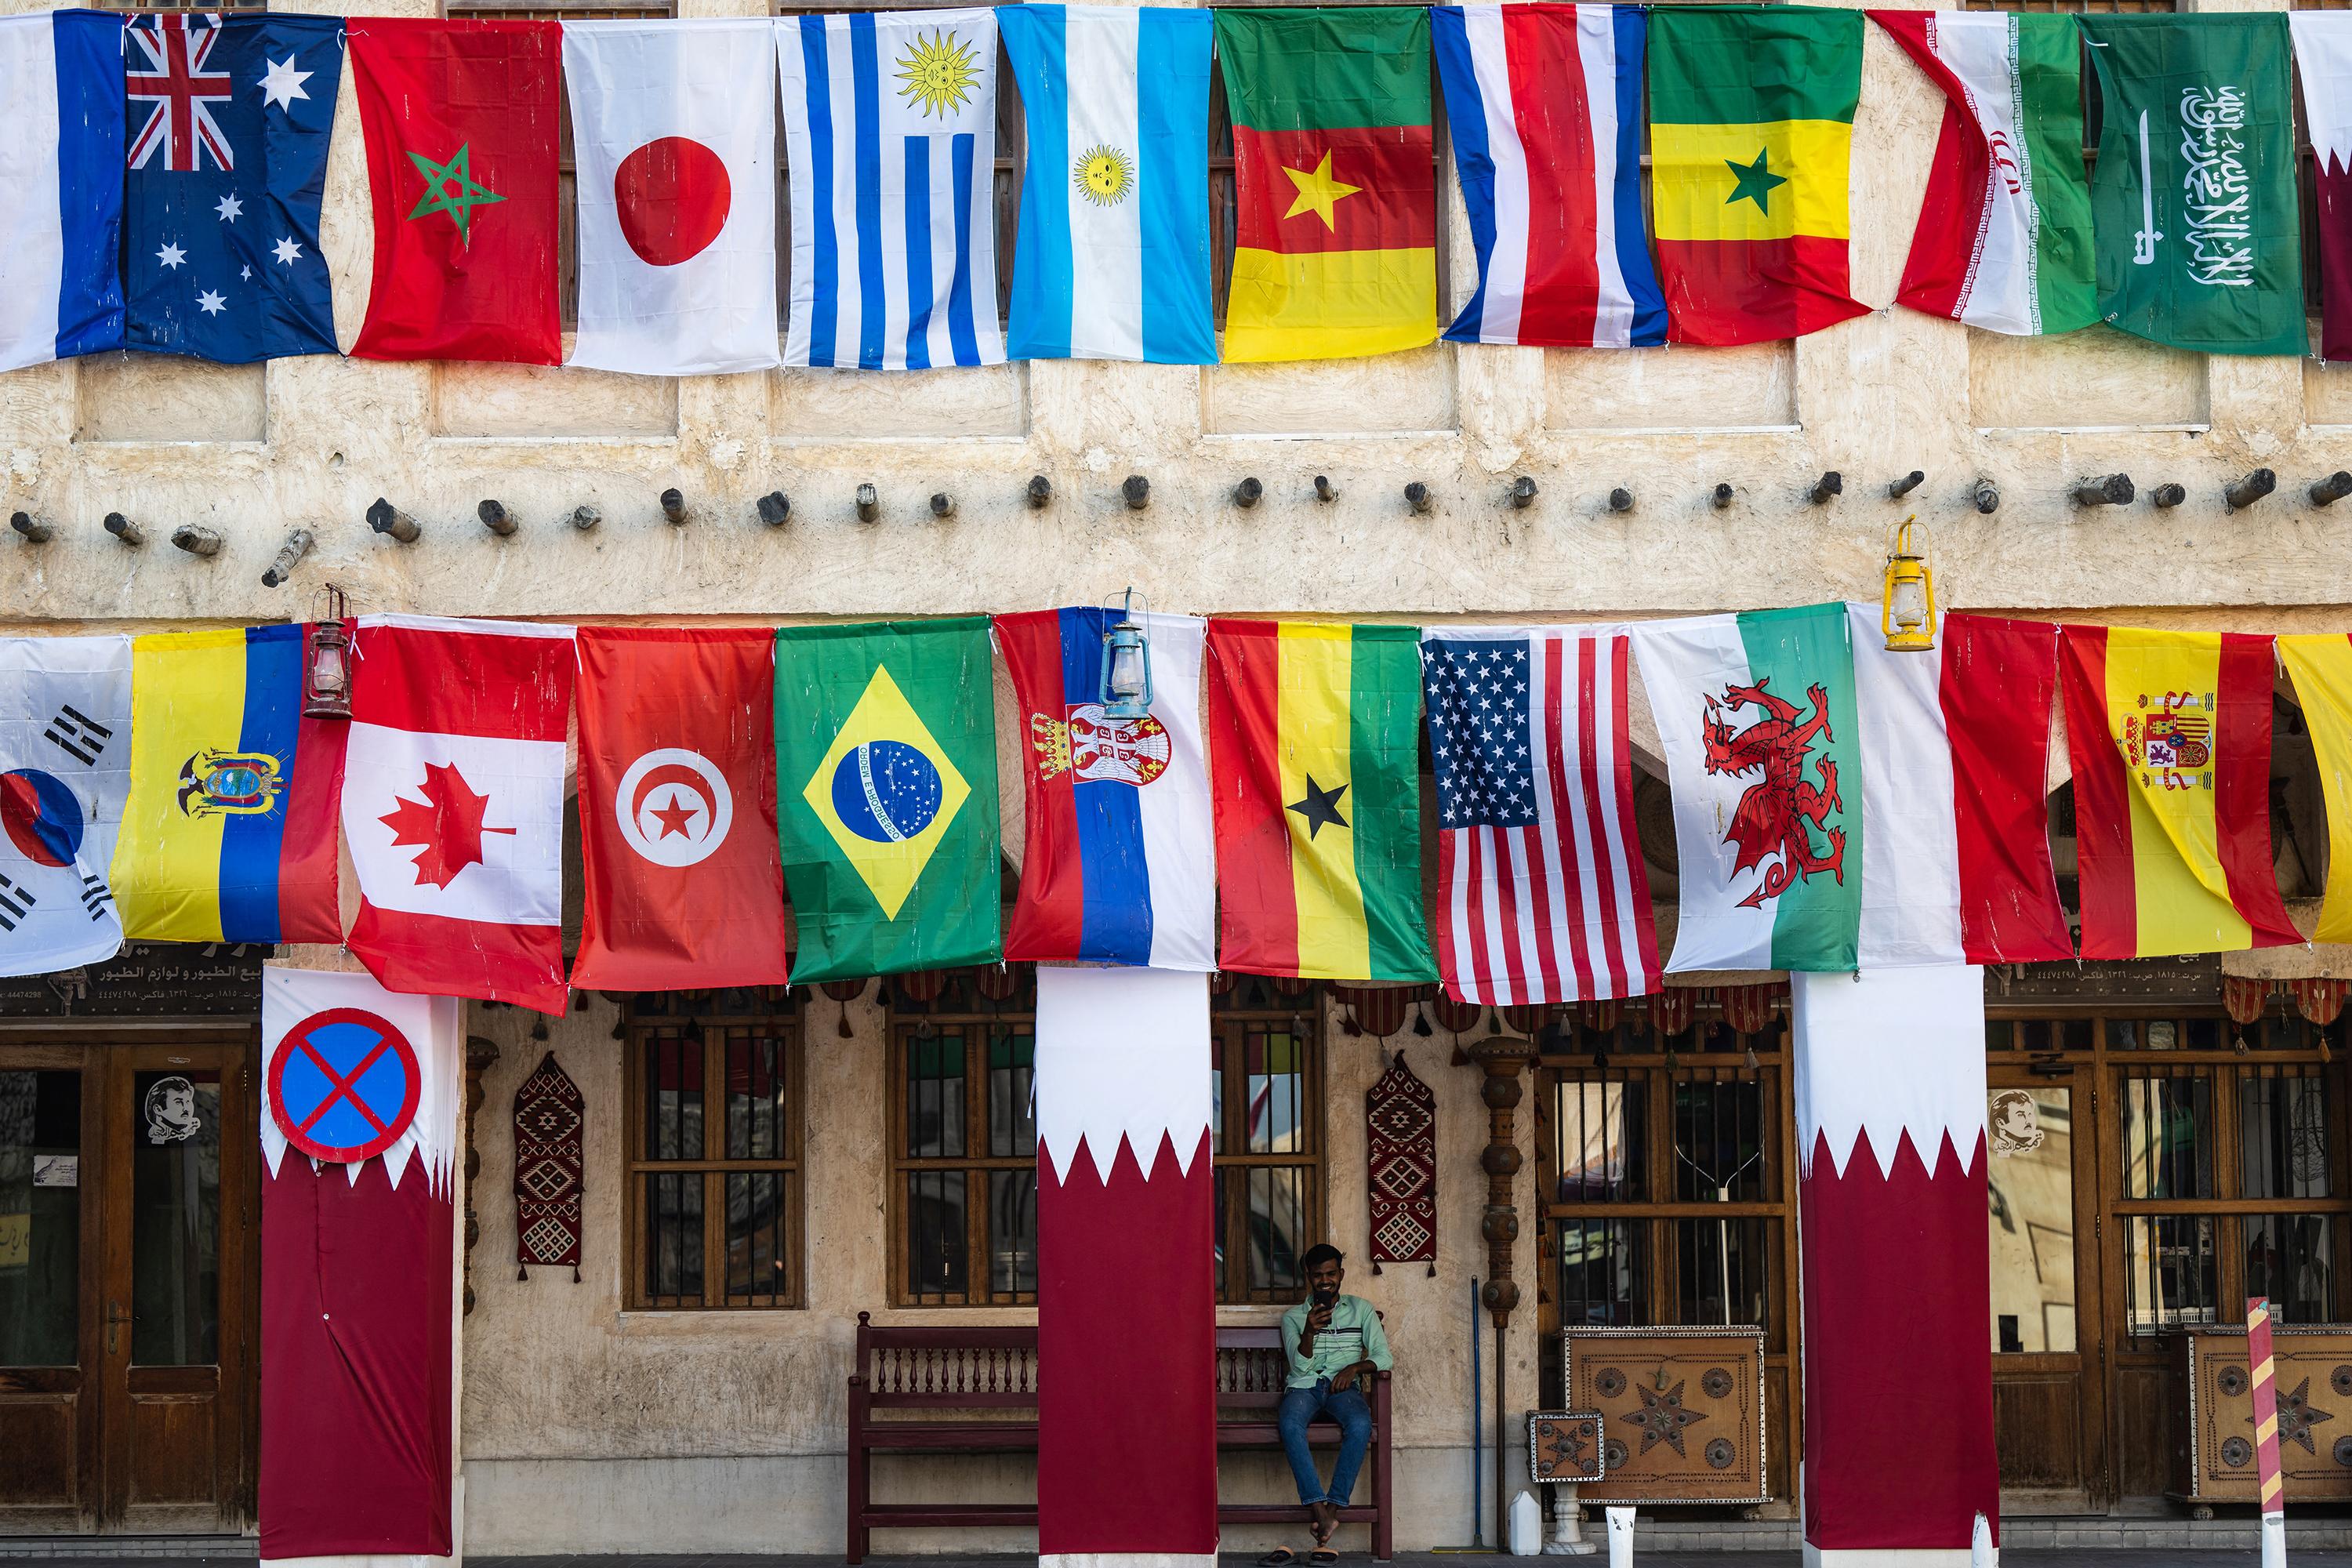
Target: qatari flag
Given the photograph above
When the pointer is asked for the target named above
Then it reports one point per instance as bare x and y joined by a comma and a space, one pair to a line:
359, 1135
1891, 1205
1127, 1310
2323, 59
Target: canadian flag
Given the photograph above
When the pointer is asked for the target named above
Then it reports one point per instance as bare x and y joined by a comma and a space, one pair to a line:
453, 805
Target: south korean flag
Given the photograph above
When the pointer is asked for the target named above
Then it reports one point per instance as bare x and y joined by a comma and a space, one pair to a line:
65, 772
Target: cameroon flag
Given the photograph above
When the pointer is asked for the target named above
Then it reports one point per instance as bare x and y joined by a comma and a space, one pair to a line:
1752, 121
2170, 737
1315, 756
886, 796
1335, 228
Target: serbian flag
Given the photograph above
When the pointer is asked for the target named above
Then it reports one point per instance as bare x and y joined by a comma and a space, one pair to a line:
1955, 764
460, 119
1545, 104
1120, 865
2322, 63
2170, 737
677, 811
359, 1300
1890, 1082
1126, 1268
453, 805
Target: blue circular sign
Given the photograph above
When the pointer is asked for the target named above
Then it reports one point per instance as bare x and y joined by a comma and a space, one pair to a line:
885, 790
343, 1085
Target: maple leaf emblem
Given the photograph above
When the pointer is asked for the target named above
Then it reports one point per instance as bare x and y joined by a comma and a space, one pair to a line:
447, 825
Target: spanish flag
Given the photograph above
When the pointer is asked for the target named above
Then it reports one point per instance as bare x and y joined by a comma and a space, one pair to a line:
1752, 122
1314, 755
2321, 668
1335, 228
2170, 737
230, 833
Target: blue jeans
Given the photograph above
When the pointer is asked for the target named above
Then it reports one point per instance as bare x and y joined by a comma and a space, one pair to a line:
1300, 1406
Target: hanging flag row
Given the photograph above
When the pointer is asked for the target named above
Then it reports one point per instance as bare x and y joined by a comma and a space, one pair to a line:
174, 162
1257, 804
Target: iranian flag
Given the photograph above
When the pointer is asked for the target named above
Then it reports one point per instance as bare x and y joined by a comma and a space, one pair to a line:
2004, 236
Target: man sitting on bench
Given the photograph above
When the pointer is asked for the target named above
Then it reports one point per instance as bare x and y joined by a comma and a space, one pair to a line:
1331, 1344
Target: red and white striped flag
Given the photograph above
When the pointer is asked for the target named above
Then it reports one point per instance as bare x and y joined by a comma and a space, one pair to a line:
1542, 894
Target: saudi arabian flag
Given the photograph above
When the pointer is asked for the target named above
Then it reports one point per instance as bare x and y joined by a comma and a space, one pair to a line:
2194, 200
1756, 713
886, 784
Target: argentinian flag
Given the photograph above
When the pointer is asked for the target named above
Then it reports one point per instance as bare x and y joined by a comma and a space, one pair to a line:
1113, 260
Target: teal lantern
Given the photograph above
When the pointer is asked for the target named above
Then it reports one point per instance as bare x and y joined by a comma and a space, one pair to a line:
1125, 686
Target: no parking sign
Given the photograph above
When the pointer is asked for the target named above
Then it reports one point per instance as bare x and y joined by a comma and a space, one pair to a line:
343, 1085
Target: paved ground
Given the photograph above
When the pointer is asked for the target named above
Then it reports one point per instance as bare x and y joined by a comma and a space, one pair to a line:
2018, 1558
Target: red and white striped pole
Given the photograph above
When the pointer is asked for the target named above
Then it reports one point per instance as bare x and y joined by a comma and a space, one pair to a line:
2266, 1441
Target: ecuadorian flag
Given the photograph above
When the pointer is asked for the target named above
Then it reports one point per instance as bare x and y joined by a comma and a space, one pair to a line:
229, 835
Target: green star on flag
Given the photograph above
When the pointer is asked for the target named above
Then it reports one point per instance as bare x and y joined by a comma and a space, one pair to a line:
451, 188
1756, 180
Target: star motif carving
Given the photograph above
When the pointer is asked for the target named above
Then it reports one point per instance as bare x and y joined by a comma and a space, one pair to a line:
1756, 180
2297, 1416
1321, 807
1662, 1418
451, 188
447, 825
1318, 192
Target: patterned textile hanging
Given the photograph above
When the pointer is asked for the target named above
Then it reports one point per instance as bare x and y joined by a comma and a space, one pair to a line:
1454, 1017
1530, 1020
1375, 1010
1601, 1014
1401, 1167
550, 1176
843, 991
2321, 1002
1748, 1008
1671, 1009
2243, 999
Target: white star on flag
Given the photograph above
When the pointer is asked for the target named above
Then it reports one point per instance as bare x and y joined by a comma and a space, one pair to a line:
244, 274
171, 255
210, 302
229, 208
281, 84
287, 251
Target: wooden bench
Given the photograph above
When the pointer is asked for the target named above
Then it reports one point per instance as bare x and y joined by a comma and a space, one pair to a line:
974, 1390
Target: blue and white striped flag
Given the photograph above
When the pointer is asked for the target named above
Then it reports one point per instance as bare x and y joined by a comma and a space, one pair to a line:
1113, 260
890, 127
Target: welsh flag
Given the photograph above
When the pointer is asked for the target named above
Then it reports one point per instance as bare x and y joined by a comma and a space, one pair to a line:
2004, 236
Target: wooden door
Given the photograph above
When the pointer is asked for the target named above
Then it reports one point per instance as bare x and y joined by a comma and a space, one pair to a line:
2049, 1366
51, 1268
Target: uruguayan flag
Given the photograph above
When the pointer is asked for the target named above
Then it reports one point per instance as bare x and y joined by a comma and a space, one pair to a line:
1114, 249
890, 127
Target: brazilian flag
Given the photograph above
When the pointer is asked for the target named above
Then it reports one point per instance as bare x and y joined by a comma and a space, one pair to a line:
885, 787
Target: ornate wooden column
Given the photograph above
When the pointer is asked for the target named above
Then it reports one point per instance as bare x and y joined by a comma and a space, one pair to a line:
480, 1054
1502, 1057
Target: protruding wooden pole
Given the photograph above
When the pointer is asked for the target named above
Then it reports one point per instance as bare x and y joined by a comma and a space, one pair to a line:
37, 530
1323, 489
1898, 489
1040, 492
1416, 495
1248, 493
123, 528
2166, 497
1523, 493
774, 508
497, 518
942, 504
2109, 489
673, 507
2250, 489
1828, 485
2331, 489
1621, 500
585, 518
386, 518
1136, 491
1721, 498
289, 554
869, 504
1985, 497
197, 541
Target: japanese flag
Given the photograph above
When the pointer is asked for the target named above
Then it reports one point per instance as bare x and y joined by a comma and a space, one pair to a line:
675, 131
453, 805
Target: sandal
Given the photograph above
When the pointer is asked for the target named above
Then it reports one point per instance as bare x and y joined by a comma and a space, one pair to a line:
1322, 1557
1280, 1557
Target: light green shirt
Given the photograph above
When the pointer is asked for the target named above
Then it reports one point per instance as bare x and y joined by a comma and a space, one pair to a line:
1355, 1335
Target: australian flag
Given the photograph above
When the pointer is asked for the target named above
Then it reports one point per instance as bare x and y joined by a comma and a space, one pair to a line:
226, 138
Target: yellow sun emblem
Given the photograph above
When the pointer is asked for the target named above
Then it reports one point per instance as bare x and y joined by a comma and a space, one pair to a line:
1105, 175
938, 74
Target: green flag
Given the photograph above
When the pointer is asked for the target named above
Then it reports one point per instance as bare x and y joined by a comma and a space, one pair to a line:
885, 787
2194, 199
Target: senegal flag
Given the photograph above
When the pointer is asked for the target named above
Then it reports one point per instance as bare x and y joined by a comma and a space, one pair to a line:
1334, 228
2170, 737
1315, 756
885, 785
1751, 119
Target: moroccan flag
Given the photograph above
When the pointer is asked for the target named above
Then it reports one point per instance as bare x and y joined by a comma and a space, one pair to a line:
885, 760
2194, 202
460, 120
2323, 59
1751, 119
2170, 736
2321, 668
230, 833
1335, 236
677, 811
1315, 759
2004, 235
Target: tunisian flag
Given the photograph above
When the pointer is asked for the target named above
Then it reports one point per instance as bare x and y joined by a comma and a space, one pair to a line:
358, 1286
453, 805
677, 811
1126, 1258
1891, 1139
460, 120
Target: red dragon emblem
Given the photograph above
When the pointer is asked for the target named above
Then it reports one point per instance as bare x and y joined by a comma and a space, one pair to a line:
1771, 824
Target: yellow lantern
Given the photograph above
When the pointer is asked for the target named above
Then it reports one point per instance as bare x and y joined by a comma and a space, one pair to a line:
1907, 612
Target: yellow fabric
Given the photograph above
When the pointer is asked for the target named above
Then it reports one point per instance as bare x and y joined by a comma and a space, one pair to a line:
1330, 304
187, 696
1313, 688
2321, 668
889, 868
2180, 892
1693, 183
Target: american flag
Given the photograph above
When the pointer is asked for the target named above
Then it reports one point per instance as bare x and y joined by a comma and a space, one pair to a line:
1544, 898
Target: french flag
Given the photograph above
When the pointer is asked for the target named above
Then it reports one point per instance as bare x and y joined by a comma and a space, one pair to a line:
1545, 106
1120, 858
61, 185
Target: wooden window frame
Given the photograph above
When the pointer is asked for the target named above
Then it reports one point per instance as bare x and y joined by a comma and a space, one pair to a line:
904, 1032
636, 1164
1230, 1032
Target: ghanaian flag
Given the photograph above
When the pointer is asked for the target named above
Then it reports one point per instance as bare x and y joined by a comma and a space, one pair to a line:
1751, 124
1335, 227
1315, 756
